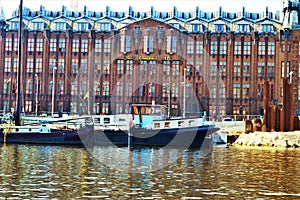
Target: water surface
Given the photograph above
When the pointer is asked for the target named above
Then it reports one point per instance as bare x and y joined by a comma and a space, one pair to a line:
65, 172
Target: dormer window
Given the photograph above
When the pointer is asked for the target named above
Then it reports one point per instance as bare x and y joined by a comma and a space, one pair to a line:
243, 28
14, 26
38, 26
197, 28
104, 26
82, 26
267, 28
60, 26
220, 28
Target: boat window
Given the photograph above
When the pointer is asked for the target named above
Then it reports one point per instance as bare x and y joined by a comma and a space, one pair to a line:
167, 124
180, 123
97, 120
156, 125
122, 120
106, 120
191, 122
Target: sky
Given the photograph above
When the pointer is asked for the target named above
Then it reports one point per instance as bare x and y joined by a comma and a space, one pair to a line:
144, 5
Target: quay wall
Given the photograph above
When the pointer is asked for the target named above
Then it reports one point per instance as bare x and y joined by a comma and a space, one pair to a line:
269, 139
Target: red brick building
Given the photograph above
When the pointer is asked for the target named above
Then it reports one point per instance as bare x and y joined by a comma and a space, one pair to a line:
102, 62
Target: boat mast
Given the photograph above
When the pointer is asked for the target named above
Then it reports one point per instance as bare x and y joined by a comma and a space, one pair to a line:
18, 99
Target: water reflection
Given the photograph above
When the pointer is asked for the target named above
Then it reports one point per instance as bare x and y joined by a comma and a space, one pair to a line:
35, 171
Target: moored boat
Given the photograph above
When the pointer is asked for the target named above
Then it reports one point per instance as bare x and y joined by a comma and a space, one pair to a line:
150, 127
62, 132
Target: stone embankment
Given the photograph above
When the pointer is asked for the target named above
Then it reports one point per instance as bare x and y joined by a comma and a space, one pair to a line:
269, 139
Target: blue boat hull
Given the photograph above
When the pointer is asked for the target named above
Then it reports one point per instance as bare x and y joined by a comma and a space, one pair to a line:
68, 137
183, 137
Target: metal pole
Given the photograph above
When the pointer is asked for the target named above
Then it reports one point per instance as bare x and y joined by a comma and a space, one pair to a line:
169, 97
37, 94
19, 73
184, 92
53, 85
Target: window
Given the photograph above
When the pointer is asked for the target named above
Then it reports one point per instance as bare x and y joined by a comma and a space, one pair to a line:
98, 45
175, 89
171, 43
175, 68
107, 45
120, 67
82, 26
267, 28
83, 66
261, 69
28, 86
222, 68
152, 67
212, 90
213, 47
246, 91
75, 45
29, 68
129, 67
128, 88
298, 92
39, 45
15, 64
60, 87
220, 28
119, 89
236, 69
74, 66
142, 90
8, 44
223, 48
271, 91
197, 28
16, 44
30, 44
260, 91
125, 43
199, 47
151, 89
60, 26
199, 68
7, 65
143, 67
166, 67
38, 65
105, 107
282, 69
190, 46
148, 43
213, 68
246, 71
14, 25
270, 69
61, 65
38, 26
52, 64
261, 48
84, 46
62, 45
222, 91
52, 45
104, 26
244, 28
247, 48
165, 89
271, 48
236, 91
106, 67
237, 48
74, 87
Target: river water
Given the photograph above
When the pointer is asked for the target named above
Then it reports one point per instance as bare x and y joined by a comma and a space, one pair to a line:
66, 172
